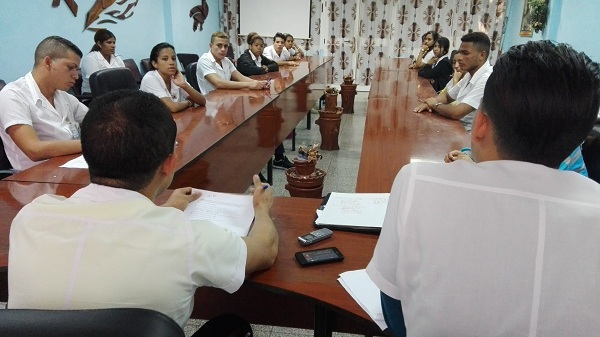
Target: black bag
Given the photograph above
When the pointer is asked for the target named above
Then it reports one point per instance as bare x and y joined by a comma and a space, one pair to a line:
227, 325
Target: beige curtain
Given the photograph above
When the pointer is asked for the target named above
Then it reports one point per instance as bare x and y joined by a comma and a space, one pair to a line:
358, 32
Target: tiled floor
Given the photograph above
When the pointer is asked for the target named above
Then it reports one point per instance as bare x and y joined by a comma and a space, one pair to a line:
342, 169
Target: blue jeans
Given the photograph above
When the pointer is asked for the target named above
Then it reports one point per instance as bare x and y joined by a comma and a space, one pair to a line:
392, 313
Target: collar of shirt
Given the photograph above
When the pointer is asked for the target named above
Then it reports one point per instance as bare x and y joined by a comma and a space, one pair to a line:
41, 102
438, 61
484, 68
255, 58
174, 93
101, 193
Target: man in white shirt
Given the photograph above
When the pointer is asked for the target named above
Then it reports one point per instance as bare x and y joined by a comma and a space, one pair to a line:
216, 71
474, 51
278, 52
109, 245
38, 118
507, 246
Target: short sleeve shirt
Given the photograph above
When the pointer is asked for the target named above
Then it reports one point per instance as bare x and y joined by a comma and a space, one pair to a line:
21, 102
470, 90
136, 255
154, 84
208, 65
271, 54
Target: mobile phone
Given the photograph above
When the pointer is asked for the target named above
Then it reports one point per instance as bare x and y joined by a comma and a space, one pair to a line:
318, 256
315, 236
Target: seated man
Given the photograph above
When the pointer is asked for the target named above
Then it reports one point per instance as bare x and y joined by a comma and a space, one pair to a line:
507, 247
109, 245
216, 71
38, 119
466, 95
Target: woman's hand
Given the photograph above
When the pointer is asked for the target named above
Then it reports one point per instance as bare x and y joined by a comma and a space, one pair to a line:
178, 79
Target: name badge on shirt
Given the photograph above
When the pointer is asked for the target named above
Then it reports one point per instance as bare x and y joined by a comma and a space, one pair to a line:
75, 130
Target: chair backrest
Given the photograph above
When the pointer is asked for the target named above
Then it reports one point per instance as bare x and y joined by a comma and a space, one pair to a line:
110, 79
5, 166
2, 84
145, 63
190, 75
131, 65
124, 322
186, 59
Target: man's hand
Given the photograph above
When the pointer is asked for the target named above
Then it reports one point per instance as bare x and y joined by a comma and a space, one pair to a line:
181, 198
455, 155
262, 195
422, 107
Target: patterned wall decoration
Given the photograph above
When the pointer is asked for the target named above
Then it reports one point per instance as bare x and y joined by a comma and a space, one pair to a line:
358, 32
122, 11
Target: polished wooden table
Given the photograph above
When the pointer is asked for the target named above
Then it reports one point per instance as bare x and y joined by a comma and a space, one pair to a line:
394, 135
233, 137
285, 295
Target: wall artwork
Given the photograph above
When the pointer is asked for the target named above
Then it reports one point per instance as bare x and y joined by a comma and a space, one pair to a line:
526, 21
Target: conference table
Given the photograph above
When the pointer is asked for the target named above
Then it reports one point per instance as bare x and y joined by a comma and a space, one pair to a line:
395, 135
250, 125
221, 145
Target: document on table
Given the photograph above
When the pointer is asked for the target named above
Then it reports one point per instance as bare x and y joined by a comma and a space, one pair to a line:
230, 211
358, 284
353, 211
78, 162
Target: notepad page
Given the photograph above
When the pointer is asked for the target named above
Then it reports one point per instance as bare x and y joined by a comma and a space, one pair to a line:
230, 211
358, 284
355, 209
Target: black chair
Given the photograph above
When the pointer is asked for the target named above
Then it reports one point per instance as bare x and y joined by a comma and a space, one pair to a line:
5, 166
186, 59
111, 79
122, 322
190, 75
145, 63
2, 84
75, 90
130, 64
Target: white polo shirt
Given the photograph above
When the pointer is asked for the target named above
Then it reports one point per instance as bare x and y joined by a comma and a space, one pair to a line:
94, 61
21, 102
153, 83
270, 53
499, 248
208, 65
106, 247
469, 90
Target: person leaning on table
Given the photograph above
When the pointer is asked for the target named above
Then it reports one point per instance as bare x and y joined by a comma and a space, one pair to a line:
39, 119
109, 245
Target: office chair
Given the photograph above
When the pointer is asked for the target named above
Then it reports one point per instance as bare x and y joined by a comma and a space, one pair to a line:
186, 59
122, 322
111, 79
190, 75
5, 166
130, 64
2, 84
145, 63
75, 90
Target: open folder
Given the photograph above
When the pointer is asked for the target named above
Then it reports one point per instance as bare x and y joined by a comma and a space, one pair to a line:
358, 212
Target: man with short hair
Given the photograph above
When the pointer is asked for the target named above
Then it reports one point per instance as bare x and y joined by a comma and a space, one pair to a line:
38, 118
216, 71
507, 246
109, 245
464, 98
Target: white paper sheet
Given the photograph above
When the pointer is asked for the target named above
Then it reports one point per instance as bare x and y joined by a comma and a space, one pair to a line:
354, 209
358, 284
231, 211
78, 162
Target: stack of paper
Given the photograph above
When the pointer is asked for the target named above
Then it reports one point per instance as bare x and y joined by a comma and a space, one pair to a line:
358, 284
234, 212
355, 211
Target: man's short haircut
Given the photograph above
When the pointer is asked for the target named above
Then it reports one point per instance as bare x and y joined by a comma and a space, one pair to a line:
126, 136
55, 47
480, 41
218, 35
278, 35
542, 99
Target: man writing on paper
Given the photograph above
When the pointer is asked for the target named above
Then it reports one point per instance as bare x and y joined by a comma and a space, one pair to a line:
109, 245
39, 119
507, 246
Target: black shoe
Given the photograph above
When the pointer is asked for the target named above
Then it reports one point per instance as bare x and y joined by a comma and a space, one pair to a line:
282, 163
262, 178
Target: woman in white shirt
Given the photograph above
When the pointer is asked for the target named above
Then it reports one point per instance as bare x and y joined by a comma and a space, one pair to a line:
426, 51
166, 82
278, 53
102, 56
295, 52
